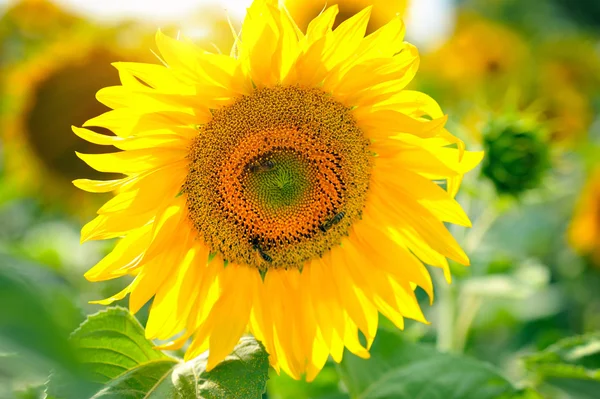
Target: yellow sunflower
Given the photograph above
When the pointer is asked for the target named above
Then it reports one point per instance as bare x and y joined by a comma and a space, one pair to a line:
285, 191
568, 79
303, 11
27, 26
43, 97
584, 232
481, 55
569, 112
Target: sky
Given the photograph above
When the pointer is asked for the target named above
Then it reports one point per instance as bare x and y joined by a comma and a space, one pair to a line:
427, 20
159, 10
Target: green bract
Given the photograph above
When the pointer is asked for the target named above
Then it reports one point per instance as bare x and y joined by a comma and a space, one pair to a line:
517, 156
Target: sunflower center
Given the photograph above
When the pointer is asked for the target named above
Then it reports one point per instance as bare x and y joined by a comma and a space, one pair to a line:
278, 177
277, 181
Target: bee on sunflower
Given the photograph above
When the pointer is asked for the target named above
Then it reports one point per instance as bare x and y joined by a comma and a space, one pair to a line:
286, 190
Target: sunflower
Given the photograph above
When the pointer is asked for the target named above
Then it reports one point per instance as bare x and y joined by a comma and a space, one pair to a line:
584, 232
569, 113
285, 191
44, 97
28, 25
303, 11
481, 55
568, 81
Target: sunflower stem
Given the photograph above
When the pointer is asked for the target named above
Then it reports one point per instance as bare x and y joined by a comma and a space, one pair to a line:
469, 305
445, 312
482, 224
458, 309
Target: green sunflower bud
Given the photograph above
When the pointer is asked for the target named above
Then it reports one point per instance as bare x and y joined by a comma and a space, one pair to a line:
517, 156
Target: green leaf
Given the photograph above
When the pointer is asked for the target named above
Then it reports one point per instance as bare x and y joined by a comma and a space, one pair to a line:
242, 375
120, 362
571, 364
147, 381
325, 386
402, 370
108, 344
112, 342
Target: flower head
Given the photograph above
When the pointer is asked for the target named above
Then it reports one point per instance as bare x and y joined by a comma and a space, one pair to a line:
286, 190
481, 56
46, 94
27, 26
568, 81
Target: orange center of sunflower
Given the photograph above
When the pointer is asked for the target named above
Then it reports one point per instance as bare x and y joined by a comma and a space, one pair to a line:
278, 177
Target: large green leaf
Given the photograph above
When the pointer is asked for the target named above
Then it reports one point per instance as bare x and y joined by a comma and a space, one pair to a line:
122, 364
402, 370
111, 342
108, 344
571, 364
242, 375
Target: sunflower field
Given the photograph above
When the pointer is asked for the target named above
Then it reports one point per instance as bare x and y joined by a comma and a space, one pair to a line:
300, 199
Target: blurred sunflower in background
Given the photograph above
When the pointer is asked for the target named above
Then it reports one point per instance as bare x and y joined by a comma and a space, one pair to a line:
47, 94
52, 64
27, 26
287, 190
482, 57
568, 83
584, 231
